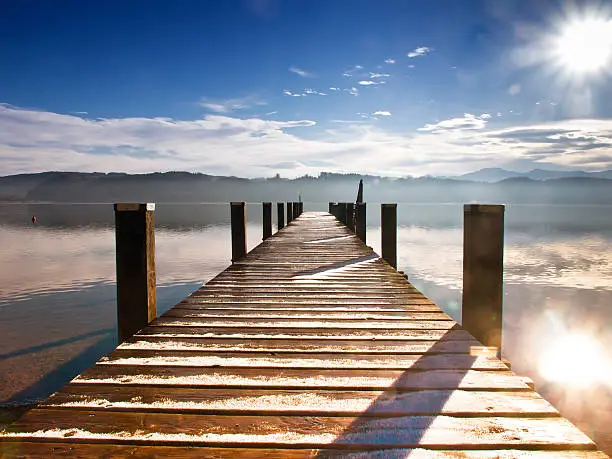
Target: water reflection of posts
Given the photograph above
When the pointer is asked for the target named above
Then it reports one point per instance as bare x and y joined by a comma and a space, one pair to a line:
267, 220
388, 232
360, 221
280, 215
135, 255
289, 212
483, 265
238, 217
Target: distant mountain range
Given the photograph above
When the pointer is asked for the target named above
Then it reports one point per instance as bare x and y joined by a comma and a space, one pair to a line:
486, 185
496, 174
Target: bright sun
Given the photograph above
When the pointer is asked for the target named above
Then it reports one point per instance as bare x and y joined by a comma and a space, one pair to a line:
584, 46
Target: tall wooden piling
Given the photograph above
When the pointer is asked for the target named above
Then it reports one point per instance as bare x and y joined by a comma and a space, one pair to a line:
296, 210
331, 208
238, 217
267, 220
135, 257
350, 216
360, 221
483, 268
341, 212
388, 230
280, 215
289, 212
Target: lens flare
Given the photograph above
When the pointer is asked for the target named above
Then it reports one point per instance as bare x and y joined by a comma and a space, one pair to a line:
575, 359
584, 46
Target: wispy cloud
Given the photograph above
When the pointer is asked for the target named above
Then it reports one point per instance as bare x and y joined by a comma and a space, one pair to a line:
352, 91
368, 82
230, 105
292, 94
389, 61
379, 75
352, 71
466, 122
421, 51
314, 92
381, 113
331, 88
301, 72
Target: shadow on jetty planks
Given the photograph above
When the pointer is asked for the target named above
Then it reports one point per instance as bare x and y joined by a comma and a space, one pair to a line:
310, 346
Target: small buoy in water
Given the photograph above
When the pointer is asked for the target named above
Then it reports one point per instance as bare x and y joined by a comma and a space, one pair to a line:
34, 219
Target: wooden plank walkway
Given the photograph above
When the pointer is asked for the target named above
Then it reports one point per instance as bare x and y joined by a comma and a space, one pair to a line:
311, 346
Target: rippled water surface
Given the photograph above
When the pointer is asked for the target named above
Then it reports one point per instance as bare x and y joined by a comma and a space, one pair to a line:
57, 293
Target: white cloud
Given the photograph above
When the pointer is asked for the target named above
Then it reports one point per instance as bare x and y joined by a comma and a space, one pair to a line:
411, 66
334, 89
230, 105
352, 71
381, 113
421, 51
34, 140
292, 94
467, 122
379, 75
389, 61
368, 83
314, 92
352, 91
301, 72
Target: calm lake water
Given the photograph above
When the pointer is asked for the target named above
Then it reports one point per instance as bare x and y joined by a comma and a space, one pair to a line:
57, 292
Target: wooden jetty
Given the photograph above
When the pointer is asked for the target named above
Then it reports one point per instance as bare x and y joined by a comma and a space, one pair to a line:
310, 346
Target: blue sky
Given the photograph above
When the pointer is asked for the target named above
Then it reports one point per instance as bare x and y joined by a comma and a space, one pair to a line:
259, 87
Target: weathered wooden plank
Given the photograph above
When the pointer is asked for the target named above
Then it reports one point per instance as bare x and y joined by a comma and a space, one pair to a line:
299, 360
306, 333
283, 314
114, 451
281, 323
302, 402
440, 432
287, 378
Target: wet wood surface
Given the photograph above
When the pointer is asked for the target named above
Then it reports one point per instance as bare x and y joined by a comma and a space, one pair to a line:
310, 346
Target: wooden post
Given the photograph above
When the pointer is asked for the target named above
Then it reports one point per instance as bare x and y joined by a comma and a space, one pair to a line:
483, 271
331, 208
350, 216
135, 257
267, 220
289, 212
238, 216
341, 210
388, 230
301, 207
360, 221
280, 214
296, 210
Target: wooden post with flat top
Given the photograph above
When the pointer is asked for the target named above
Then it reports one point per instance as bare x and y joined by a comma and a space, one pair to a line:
296, 210
483, 270
289, 212
135, 255
360, 221
341, 210
267, 219
350, 215
388, 231
280, 215
238, 217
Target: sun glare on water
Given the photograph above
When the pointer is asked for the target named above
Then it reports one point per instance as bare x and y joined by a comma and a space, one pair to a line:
575, 359
584, 46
